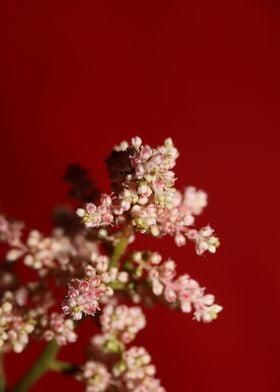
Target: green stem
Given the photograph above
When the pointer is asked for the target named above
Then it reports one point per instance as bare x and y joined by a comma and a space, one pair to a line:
2, 373
119, 251
116, 285
61, 366
40, 367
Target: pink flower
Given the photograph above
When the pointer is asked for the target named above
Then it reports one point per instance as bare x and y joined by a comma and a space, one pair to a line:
149, 384
204, 240
56, 327
96, 216
122, 322
195, 200
83, 297
182, 291
10, 232
136, 142
95, 376
15, 326
186, 292
137, 372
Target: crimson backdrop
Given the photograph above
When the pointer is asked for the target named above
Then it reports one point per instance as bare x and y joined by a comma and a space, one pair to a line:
79, 76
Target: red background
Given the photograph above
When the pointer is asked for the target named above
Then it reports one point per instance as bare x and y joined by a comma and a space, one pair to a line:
77, 77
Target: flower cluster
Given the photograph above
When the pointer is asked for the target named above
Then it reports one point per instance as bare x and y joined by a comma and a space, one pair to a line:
134, 372
57, 254
122, 322
147, 199
204, 240
83, 297
84, 267
56, 327
95, 376
15, 327
137, 372
10, 232
95, 216
180, 291
130, 369
24, 315
119, 326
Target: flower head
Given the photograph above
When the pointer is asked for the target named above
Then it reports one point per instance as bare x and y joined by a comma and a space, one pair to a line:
122, 322
136, 371
143, 180
95, 376
83, 297
56, 327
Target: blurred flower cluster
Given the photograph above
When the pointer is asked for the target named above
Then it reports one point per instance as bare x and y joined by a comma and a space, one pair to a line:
84, 268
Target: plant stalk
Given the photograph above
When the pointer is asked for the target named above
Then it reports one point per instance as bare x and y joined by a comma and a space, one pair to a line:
40, 367
119, 251
2, 373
